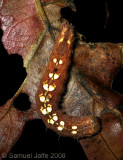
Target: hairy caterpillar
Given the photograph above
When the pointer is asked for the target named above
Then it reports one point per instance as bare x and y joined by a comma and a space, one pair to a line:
52, 86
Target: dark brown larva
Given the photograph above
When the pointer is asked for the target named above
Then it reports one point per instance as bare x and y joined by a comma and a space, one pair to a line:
52, 86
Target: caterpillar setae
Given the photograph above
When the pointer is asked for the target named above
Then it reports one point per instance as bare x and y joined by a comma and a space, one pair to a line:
52, 86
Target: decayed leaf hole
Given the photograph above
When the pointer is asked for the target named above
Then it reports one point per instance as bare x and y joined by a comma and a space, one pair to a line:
12, 73
22, 102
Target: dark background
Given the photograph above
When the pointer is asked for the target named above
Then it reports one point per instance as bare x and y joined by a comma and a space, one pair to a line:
98, 21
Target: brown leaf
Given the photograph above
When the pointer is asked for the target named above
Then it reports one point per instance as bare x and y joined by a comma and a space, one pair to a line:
11, 126
98, 61
109, 143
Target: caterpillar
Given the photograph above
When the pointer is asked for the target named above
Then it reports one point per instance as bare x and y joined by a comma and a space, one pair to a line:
52, 86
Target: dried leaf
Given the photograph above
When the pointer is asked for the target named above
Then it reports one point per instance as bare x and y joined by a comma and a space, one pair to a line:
11, 126
109, 142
